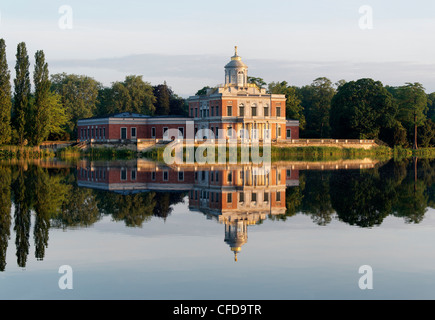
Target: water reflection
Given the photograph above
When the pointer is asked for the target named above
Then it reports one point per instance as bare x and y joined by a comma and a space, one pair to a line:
55, 195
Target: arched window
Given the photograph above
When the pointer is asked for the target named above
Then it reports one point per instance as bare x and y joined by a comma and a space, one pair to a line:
240, 78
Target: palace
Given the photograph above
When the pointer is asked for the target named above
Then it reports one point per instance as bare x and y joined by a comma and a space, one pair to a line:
235, 107
243, 107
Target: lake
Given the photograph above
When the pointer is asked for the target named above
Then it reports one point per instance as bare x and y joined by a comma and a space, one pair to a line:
141, 230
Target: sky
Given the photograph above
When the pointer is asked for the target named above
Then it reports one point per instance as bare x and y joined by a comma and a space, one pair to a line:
187, 43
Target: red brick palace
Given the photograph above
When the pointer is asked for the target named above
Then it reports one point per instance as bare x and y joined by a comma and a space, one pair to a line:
235, 107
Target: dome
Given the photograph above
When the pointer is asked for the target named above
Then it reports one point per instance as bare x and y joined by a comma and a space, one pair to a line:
236, 61
236, 64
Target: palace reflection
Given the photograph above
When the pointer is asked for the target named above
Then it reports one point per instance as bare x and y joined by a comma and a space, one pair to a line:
236, 196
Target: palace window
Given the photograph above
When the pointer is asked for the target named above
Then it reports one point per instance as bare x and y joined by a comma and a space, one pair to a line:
254, 110
278, 111
266, 111
229, 111
123, 133
229, 197
242, 110
123, 174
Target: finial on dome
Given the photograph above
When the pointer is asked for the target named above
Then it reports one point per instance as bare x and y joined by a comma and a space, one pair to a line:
235, 50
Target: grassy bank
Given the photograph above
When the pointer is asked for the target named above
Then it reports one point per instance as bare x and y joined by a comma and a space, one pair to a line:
96, 153
25, 152
402, 153
293, 153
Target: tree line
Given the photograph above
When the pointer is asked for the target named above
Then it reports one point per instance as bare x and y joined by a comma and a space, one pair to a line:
363, 109
50, 111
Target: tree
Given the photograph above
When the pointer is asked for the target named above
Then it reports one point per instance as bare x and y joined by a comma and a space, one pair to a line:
259, 82
56, 118
131, 95
316, 102
293, 107
426, 134
162, 94
360, 109
431, 106
5, 97
203, 91
412, 107
78, 96
21, 108
40, 129
178, 105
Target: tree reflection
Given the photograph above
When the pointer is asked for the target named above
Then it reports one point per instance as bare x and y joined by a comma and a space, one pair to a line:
364, 198
317, 197
133, 209
5, 212
49, 194
22, 199
80, 209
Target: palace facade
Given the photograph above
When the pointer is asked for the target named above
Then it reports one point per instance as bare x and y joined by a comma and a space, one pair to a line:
236, 107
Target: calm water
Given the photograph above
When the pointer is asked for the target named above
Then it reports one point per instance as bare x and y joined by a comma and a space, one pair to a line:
137, 230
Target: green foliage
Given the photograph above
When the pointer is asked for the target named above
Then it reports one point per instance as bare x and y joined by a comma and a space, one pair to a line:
78, 96
5, 97
131, 95
203, 91
360, 109
39, 130
259, 82
316, 101
162, 94
412, 107
294, 109
21, 108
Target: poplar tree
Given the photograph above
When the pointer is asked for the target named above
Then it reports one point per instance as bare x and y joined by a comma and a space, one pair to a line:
21, 92
41, 105
5, 97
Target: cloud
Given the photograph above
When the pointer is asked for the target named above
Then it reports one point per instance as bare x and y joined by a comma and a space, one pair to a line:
188, 73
